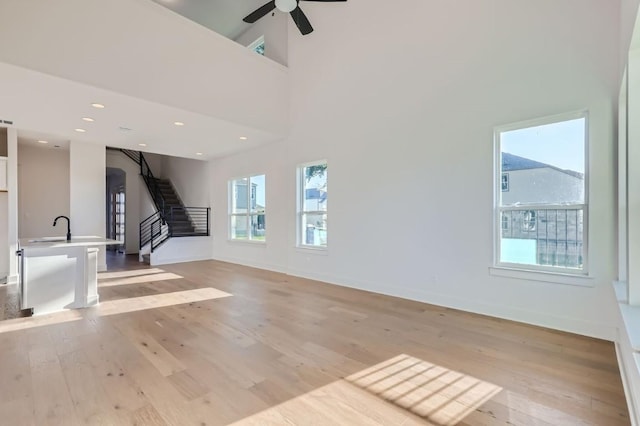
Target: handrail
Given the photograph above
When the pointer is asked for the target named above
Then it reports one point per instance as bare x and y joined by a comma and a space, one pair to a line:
154, 231
170, 220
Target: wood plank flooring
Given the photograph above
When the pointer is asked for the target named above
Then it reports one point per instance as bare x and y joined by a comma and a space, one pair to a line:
212, 343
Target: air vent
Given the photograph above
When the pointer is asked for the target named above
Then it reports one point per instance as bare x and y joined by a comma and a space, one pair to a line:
124, 129
9, 122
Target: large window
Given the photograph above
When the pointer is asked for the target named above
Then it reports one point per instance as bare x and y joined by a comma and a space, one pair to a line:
312, 205
541, 195
247, 203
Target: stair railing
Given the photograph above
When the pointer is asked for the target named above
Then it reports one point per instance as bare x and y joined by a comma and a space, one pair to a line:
169, 220
153, 231
197, 220
152, 186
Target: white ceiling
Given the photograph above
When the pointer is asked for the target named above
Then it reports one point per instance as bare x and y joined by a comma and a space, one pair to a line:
221, 16
148, 65
46, 107
31, 138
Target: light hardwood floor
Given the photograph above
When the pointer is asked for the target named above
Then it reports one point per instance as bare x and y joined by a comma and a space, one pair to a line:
211, 343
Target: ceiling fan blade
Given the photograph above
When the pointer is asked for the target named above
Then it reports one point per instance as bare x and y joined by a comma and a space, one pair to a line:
260, 12
324, 0
301, 21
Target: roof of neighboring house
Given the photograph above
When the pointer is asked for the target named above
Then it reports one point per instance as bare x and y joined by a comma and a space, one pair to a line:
512, 162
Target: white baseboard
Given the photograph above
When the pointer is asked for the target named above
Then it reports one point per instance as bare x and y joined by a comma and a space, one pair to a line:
259, 265
170, 260
567, 324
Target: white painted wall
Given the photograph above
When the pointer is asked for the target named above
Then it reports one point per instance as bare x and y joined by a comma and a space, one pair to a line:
43, 190
214, 76
272, 161
402, 102
4, 234
190, 178
183, 249
4, 200
87, 192
12, 202
274, 30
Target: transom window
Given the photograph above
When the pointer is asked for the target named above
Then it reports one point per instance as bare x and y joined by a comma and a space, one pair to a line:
312, 205
541, 194
247, 206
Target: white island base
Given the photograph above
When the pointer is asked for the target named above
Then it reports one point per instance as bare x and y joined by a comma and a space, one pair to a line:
58, 275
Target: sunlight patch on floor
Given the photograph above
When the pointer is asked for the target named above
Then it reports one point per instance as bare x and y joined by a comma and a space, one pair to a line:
128, 274
403, 390
430, 391
115, 307
140, 279
153, 301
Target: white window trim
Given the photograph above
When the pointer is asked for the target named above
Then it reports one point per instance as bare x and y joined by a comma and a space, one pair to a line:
300, 212
529, 270
230, 213
256, 43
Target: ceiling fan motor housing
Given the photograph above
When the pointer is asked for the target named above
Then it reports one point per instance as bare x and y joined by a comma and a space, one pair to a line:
286, 5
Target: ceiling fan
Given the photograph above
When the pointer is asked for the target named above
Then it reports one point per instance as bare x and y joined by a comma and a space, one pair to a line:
286, 6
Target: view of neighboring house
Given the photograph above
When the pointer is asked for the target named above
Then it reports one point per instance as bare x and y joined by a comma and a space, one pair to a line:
543, 236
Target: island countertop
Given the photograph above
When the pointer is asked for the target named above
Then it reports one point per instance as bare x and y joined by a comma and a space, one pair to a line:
61, 242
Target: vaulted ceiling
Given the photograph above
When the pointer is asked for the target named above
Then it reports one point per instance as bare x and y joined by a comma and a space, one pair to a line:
148, 65
221, 16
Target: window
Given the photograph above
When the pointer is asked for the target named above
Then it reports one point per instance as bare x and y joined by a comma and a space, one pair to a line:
312, 205
505, 182
541, 202
247, 203
529, 221
258, 46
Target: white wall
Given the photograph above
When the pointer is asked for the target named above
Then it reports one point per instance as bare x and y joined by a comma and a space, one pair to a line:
4, 210
4, 235
183, 249
214, 76
87, 192
274, 30
190, 178
12, 202
402, 102
43, 190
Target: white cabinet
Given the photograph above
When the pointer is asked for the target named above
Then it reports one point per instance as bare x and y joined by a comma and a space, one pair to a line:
3, 173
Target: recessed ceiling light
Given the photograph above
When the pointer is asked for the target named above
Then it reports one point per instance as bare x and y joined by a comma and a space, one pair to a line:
89, 119
43, 142
142, 144
198, 153
80, 130
243, 138
178, 123
99, 106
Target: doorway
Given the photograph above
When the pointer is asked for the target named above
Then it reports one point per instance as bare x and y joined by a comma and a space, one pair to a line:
116, 207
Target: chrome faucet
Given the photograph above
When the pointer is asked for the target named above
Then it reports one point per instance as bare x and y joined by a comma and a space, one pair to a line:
68, 226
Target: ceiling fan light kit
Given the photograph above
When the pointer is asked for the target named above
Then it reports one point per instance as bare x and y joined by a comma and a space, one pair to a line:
286, 6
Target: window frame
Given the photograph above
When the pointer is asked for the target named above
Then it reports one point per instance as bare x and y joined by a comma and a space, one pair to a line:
248, 214
498, 208
300, 212
256, 43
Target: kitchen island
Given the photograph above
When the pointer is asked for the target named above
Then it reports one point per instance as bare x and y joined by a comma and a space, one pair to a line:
58, 274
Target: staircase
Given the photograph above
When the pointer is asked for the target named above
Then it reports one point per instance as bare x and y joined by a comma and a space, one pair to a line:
172, 218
